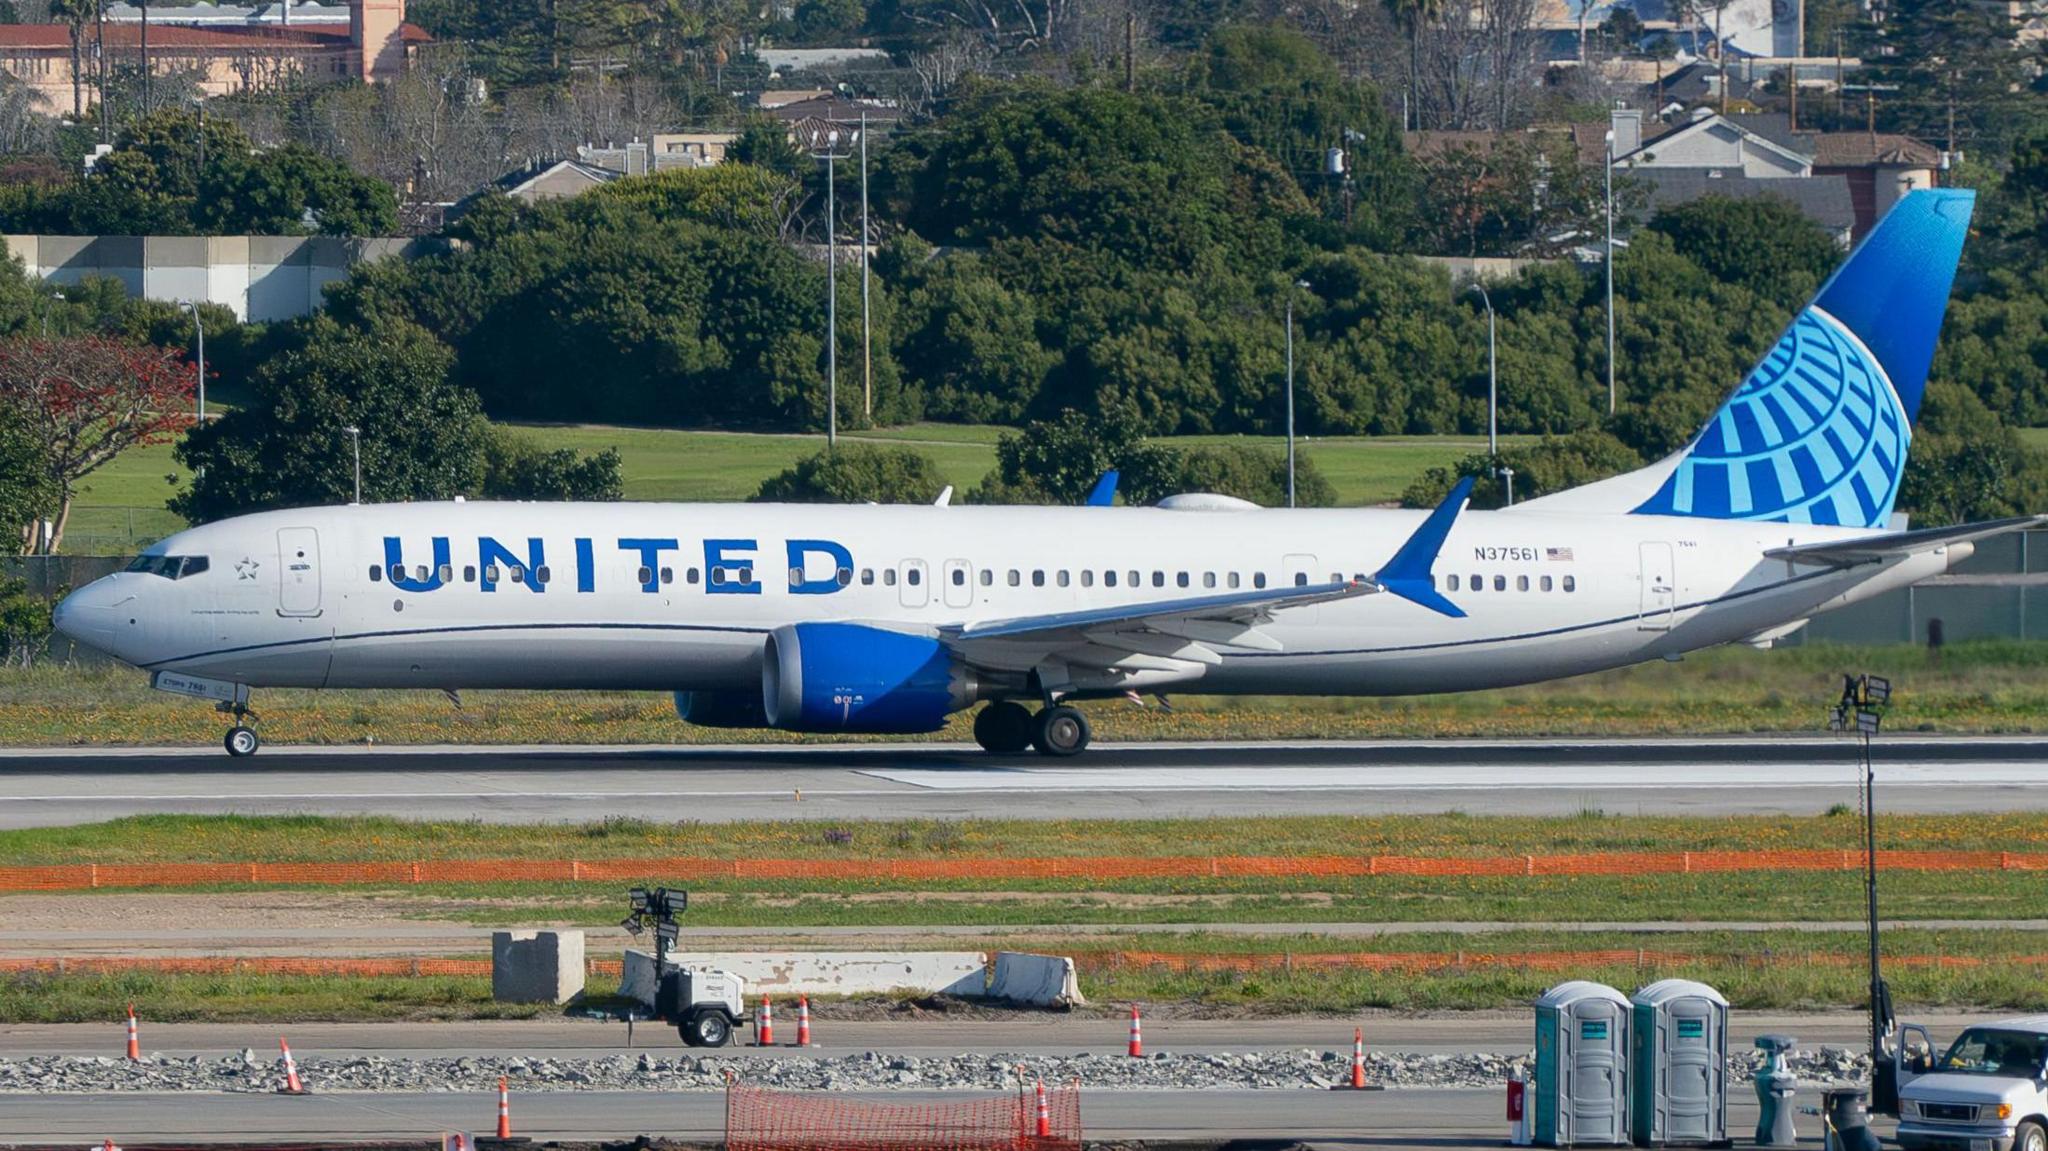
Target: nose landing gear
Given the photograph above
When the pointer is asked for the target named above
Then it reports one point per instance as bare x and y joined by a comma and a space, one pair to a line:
241, 739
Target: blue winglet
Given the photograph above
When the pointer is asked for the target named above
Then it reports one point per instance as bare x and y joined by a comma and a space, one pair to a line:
1410, 573
1103, 493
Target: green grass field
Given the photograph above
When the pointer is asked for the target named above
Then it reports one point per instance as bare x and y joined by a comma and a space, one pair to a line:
121, 506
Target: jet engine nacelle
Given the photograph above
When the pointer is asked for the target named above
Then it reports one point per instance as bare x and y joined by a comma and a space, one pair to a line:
721, 708
830, 677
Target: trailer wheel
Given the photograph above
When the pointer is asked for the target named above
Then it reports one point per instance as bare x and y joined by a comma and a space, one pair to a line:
709, 1029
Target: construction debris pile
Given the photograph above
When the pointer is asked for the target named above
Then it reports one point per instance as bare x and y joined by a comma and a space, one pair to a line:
863, 1071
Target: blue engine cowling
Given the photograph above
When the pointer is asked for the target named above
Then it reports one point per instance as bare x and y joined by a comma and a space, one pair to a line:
829, 677
721, 708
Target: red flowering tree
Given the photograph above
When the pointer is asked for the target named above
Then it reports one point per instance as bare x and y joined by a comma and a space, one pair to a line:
88, 399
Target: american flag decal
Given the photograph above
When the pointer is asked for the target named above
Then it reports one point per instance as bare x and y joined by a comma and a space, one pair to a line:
1563, 555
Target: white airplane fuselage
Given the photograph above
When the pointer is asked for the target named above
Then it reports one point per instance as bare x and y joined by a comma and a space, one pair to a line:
289, 599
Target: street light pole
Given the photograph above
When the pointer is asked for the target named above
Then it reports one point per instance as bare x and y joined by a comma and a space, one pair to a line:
825, 146
867, 356
355, 436
199, 326
1492, 377
1297, 286
1609, 262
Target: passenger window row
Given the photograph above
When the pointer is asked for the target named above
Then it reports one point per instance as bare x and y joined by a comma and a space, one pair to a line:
1500, 583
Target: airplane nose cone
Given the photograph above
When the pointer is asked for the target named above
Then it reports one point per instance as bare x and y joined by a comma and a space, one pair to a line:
86, 617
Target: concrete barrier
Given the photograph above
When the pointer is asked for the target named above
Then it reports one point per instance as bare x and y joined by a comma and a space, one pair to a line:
536, 966
1036, 980
824, 972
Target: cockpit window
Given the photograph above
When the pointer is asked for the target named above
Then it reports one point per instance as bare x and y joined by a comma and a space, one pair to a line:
169, 567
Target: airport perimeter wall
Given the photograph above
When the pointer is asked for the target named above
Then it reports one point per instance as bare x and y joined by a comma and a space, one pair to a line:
260, 278
86, 876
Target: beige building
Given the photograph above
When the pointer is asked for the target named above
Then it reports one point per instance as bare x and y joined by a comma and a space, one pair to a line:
375, 43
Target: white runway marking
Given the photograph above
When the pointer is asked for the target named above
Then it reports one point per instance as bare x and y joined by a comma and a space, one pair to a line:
1453, 777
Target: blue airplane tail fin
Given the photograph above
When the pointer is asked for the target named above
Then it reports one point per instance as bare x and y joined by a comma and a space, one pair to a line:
1818, 432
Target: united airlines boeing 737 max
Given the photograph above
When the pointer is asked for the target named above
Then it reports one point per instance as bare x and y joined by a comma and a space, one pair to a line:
888, 619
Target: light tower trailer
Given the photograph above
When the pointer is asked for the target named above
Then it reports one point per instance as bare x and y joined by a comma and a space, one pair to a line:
704, 1004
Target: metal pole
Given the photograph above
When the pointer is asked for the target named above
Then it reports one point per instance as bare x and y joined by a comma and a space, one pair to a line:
355, 435
1870, 886
99, 66
867, 358
199, 326
1610, 273
831, 311
145, 57
1290, 392
1492, 377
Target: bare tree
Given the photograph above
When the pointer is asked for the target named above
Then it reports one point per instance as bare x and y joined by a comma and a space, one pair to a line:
1508, 47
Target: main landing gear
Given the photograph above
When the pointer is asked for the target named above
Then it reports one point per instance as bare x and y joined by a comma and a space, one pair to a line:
1007, 728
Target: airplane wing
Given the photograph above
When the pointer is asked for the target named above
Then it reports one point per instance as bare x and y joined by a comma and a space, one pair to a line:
1897, 545
1183, 634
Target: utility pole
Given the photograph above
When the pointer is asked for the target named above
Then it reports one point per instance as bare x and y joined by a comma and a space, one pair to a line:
1298, 285
1130, 51
867, 358
1609, 261
144, 4
825, 142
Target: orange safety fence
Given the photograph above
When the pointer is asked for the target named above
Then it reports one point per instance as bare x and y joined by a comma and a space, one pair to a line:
1406, 962
80, 876
1031, 1119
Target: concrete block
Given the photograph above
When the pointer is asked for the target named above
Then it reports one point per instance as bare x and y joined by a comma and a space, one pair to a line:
536, 966
824, 972
1037, 980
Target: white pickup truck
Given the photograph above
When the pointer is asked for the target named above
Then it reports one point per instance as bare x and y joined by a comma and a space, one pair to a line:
1988, 1092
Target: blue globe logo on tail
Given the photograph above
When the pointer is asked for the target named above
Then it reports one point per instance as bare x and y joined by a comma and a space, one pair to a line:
1818, 432
1814, 435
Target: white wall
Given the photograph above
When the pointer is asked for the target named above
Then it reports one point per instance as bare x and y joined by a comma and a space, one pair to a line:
260, 277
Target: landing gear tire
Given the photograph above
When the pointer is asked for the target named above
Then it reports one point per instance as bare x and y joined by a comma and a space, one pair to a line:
1060, 732
1003, 728
241, 741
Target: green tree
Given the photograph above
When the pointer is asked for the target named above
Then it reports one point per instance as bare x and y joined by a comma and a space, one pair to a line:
422, 437
1155, 471
27, 490
1280, 93
516, 468
1766, 245
1553, 464
1966, 465
1958, 66
1057, 461
764, 142
854, 474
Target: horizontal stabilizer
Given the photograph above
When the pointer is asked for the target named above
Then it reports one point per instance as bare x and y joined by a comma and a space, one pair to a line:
1898, 545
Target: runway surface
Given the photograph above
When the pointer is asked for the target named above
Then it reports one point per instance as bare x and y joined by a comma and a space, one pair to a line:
728, 784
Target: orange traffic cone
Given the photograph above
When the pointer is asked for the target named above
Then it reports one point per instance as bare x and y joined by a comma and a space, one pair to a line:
803, 1021
1044, 1113
764, 1024
1357, 1082
134, 1042
1137, 1048
292, 1086
504, 1110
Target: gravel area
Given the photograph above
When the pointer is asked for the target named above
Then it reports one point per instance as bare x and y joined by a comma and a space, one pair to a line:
866, 1071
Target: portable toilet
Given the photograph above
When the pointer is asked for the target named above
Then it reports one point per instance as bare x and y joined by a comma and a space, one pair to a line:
1679, 1064
1582, 1065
